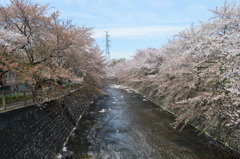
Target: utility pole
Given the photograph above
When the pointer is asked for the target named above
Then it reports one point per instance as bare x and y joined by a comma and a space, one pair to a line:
107, 46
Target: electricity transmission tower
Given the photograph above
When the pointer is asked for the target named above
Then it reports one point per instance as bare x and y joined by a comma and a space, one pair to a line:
107, 46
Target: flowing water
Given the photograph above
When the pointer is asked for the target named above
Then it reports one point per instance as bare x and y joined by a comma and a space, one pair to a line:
126, 126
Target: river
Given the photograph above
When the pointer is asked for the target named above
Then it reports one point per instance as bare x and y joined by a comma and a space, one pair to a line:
125, 125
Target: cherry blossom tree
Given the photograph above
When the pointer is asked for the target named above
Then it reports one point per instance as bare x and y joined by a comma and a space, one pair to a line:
43, 48
199, 66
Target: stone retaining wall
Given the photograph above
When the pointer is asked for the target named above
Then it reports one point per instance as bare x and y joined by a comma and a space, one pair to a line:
39, 132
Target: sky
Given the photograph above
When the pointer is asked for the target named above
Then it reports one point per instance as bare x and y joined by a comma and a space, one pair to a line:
133, 24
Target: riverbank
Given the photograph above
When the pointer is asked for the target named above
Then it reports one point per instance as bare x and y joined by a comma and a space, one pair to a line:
228, 137
40, 131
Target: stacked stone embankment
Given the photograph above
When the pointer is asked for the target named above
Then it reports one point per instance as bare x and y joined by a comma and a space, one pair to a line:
39, 132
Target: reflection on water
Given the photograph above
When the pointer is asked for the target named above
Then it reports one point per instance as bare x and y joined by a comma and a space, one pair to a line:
127, 126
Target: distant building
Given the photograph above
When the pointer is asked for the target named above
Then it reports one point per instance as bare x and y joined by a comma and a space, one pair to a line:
7, 80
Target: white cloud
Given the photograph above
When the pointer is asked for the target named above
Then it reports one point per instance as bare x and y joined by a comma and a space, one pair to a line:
76, 14
138, 32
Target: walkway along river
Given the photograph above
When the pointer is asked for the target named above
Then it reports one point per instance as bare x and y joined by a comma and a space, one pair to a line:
127, 126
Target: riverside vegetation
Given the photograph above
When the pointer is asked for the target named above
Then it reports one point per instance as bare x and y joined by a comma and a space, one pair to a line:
45, 51
196, 75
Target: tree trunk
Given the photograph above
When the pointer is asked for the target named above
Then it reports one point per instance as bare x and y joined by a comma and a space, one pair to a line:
33, 94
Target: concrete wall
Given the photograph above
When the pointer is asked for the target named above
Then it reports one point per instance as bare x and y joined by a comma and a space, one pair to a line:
39, 132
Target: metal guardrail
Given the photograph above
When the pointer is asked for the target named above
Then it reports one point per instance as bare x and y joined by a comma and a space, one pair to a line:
12, 100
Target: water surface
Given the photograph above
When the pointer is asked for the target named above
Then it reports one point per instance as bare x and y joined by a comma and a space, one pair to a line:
127, 126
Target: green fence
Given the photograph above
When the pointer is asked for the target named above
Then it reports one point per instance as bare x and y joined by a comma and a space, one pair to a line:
14, 99
11, 99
